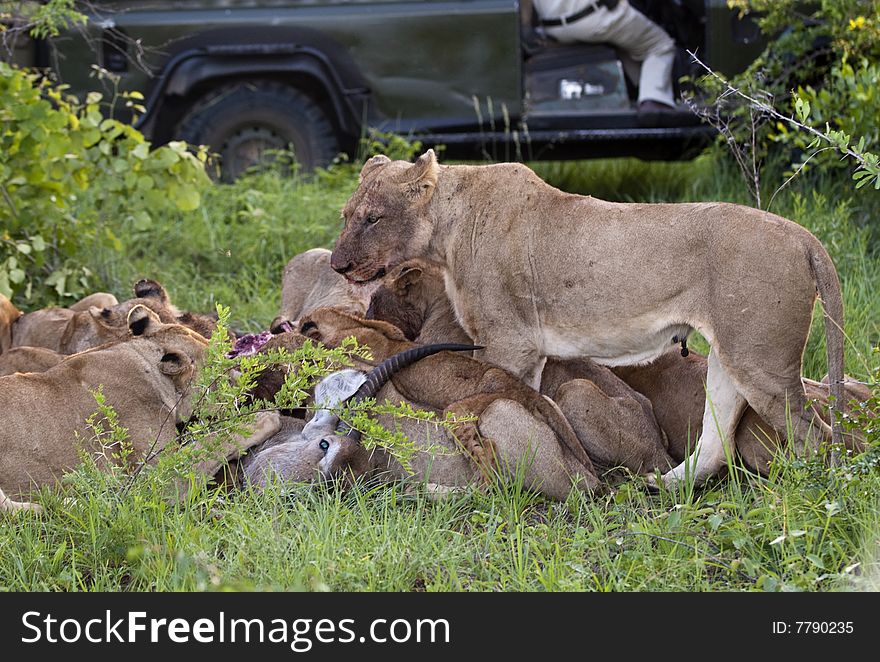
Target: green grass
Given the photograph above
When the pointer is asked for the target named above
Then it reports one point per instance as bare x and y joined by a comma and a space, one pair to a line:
805, 527
233, 249
791, 531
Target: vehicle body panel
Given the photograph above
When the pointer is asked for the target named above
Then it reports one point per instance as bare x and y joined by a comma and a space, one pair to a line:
450, 71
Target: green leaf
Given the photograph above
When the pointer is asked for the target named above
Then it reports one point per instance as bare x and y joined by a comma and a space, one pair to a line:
5, 287
142, 151
141, 220
833, 508
816, 561
90, 137
57, 280
187, 199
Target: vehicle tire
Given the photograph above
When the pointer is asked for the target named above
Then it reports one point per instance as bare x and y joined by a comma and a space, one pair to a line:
240, 122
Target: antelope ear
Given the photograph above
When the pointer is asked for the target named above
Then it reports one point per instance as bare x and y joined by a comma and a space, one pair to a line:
174, 363
329, 392
372, 164
420, 178
142, 321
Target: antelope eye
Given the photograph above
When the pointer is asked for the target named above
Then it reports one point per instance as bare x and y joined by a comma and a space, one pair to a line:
324, 445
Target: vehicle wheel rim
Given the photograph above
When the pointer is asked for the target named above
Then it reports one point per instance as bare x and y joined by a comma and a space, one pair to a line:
248, 147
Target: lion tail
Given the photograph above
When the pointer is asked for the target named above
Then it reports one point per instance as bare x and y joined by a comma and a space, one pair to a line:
828, 286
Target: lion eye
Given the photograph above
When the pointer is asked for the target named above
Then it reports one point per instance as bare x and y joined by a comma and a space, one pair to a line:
324, 445
372, 219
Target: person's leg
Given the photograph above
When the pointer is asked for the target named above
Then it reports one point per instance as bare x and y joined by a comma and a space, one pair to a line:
646, 42
648, 52
655, 81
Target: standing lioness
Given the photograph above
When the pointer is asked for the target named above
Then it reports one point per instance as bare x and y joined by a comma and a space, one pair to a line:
534, 272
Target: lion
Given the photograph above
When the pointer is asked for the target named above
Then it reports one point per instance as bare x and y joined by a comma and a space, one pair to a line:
28, 359
670, 391
85, 325
413, 298
308, 283
10, 316
147, 380
533, 272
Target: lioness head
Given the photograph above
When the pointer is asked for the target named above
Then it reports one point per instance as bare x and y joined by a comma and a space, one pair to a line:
184, 348
385, 222
94, 326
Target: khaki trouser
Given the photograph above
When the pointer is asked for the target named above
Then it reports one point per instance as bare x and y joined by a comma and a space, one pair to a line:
647, 52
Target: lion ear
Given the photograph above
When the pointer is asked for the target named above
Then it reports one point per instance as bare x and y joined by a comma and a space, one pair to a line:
372, 164
147, 288
142, 321
407, 277
8, 314
101, 316
420, 178
309, 329
174, 363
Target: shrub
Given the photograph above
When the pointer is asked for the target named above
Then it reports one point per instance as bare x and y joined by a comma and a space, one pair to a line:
67, 176
811, 96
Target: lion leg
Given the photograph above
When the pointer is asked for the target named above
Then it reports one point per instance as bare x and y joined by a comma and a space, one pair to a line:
512, 354
526, 447
774, 389
724, 407
467, 433
787, 409
763, 349
8, 505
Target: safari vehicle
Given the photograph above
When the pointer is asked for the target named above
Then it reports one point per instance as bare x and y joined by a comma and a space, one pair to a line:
244, 76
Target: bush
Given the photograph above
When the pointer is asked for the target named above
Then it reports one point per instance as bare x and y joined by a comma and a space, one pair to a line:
810, 97
67, 176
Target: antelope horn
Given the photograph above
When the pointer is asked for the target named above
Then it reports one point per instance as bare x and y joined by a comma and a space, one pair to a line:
378, 376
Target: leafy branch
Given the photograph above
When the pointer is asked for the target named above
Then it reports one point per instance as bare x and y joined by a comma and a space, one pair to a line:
761, 106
